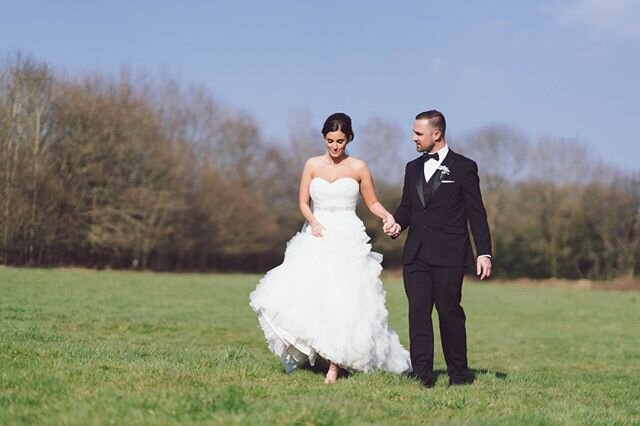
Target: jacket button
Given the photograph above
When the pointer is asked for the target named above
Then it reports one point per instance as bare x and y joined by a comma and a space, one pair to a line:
424, 226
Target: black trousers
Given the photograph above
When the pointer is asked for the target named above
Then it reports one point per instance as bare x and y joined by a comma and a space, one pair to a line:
426, 286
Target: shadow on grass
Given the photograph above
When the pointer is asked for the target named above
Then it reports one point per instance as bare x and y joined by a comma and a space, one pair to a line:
497, 374
473, 374
322, 365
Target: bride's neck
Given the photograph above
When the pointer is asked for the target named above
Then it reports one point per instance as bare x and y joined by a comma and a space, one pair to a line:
336, 161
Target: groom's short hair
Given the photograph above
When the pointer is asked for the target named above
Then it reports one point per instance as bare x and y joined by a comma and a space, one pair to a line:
436, 119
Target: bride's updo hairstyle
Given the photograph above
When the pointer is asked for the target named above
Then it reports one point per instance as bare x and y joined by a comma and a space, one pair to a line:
338, 121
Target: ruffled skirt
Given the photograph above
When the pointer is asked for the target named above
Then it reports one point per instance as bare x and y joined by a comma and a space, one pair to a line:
326, 300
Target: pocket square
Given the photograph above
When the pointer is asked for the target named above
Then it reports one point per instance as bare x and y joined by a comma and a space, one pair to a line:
448, 181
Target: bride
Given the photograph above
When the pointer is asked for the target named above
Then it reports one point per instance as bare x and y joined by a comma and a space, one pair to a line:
326, 299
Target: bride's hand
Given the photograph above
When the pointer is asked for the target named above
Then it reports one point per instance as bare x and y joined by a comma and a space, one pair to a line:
388, 222
317, 229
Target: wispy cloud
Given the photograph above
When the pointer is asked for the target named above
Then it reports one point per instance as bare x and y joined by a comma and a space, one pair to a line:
616, 18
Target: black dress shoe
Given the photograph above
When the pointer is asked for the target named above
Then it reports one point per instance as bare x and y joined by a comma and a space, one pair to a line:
427, 382
459, 381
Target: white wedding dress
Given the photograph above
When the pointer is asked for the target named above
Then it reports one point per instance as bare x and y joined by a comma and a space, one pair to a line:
326, 298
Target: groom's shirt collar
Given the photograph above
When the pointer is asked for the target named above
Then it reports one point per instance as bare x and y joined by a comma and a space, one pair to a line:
442, 153
431, 166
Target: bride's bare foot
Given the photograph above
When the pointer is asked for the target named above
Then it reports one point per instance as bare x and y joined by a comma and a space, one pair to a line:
332, 374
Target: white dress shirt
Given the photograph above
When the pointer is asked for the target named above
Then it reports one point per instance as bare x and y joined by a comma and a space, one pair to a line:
431, 166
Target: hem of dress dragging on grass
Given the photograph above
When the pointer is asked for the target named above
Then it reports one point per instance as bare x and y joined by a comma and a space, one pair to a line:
290, 360
294, 356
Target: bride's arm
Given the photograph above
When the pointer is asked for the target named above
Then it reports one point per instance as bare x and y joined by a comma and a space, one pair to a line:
368, 192
304, 198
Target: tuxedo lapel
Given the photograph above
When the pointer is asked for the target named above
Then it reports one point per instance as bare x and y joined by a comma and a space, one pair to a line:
419, 176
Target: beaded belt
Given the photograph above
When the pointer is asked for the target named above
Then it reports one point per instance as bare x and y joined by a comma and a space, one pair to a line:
324, 208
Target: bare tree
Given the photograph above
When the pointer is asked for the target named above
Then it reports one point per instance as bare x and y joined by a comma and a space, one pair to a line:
305, 138
26, 101
133, 172
377, 144
502, 153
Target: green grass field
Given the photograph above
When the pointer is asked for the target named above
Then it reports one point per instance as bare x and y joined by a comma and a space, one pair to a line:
84, 347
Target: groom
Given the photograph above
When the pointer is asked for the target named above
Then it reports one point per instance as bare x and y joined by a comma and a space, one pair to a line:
441, 194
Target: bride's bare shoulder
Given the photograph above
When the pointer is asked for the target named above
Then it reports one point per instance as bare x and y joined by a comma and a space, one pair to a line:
358, 164
315, 160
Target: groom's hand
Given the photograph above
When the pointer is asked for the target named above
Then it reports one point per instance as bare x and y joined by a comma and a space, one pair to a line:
483, 267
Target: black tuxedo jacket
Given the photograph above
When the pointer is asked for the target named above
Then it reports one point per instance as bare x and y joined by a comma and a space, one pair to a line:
438, 225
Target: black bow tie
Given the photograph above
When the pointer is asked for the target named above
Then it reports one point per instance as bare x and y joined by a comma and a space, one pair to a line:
426, 157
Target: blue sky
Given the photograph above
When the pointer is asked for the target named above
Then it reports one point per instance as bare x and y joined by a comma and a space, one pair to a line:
548, 68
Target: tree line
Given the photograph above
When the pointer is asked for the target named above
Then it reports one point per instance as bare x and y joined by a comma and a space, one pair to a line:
132, 172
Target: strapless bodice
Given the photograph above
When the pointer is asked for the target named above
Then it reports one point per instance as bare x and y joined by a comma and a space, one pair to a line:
339, 195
